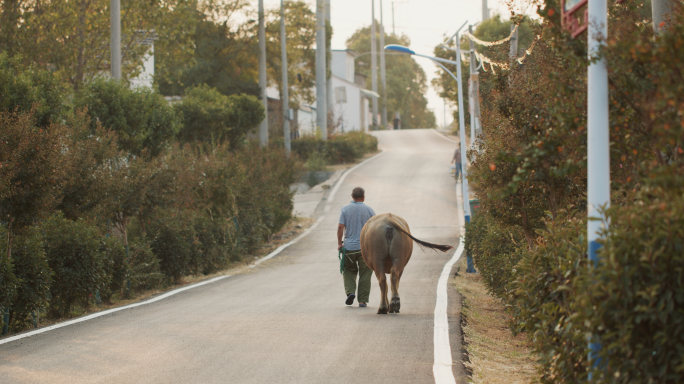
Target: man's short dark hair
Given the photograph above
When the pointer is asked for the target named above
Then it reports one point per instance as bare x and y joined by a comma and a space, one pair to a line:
358, 193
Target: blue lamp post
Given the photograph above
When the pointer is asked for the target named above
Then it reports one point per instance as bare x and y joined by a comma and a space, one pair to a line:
461, 124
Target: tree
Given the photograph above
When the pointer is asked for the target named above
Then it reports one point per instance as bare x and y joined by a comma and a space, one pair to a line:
84, 185
223, 57
492, 29
209, 116
71, 38
141, 118
29, 90
406, 80
30, 169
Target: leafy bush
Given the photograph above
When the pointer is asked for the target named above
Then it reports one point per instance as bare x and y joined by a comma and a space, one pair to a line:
73, 252
213, 241
29, 89
634, 298
306, 146
141, 118
35, 279
496, 250
316, 162
8, 282
114, 251
338, 149
208, 116
543, 294
173, 242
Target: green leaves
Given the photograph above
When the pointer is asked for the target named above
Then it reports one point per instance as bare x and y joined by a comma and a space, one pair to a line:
210, 117
141, 118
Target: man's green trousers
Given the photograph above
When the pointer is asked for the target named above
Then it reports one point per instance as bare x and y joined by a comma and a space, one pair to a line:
354, 265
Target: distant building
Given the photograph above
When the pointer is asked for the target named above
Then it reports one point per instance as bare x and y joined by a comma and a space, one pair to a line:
350, 99
350, 109
146, 76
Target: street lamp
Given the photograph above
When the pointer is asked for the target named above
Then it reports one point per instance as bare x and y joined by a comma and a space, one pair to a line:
461, 124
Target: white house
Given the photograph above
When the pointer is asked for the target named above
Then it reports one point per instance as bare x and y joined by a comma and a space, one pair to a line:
350, 102
351, 99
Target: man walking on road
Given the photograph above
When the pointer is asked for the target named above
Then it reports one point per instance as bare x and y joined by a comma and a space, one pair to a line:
457, 159
352, 219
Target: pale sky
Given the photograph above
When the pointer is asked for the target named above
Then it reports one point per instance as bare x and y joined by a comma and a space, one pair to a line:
425, 22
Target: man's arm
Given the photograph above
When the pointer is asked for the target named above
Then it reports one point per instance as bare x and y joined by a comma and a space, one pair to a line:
340, 233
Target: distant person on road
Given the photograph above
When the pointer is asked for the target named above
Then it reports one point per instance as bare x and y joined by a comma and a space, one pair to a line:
396, 122
457, 159
352, 219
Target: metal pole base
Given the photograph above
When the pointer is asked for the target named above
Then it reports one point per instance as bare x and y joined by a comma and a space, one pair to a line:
471, 265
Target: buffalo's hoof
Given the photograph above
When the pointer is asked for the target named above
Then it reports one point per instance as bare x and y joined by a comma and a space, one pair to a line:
382, 311
394, 305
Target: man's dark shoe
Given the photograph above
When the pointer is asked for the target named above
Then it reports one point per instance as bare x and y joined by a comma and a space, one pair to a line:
350, 299
362, 305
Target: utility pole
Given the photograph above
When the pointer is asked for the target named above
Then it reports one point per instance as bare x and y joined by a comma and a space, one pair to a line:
474, 91
514, 45
263, 128
598, 139
393, 32
284, 97
461, 125
660, 8
374, 67
115, 44
321, 73
329, 84
445, 126
383, 118
485, 10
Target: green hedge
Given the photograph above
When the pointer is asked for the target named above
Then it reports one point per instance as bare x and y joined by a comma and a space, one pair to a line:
542, 300
127, 207
633, 301
496, 250
73, 252
35, 279
338, 149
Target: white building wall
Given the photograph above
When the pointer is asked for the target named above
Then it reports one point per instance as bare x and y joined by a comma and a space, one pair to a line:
349, 112
146, 77
306, 121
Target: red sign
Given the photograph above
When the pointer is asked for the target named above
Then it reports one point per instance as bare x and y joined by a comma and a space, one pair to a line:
570, 12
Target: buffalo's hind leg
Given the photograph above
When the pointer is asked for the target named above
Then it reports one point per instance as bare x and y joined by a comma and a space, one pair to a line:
395, 304
382, 281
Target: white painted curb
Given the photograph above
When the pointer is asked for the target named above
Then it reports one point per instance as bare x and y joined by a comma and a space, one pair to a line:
442, 368
282, 247
160, 297
109, 311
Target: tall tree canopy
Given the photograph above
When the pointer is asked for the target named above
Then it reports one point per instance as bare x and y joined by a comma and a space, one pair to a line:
72, 38
406, 80
492, 29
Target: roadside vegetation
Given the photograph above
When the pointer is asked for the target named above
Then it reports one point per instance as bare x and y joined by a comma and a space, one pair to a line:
529, 173
116, 193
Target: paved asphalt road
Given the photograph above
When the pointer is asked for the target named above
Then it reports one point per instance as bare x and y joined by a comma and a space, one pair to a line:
285, 322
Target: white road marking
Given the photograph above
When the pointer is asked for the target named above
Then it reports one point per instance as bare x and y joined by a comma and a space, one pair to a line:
344, 176
444, 137
107, 312
442, 368
161, 297
296, 239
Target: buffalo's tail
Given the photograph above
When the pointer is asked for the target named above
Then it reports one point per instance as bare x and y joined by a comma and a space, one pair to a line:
421, 243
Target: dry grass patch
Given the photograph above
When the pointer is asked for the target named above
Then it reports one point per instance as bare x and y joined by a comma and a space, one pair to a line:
494, 354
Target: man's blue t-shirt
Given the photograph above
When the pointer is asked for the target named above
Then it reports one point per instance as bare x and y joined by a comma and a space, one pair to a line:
354, 216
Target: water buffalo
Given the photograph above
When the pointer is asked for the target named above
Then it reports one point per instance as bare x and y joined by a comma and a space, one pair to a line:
386, 247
